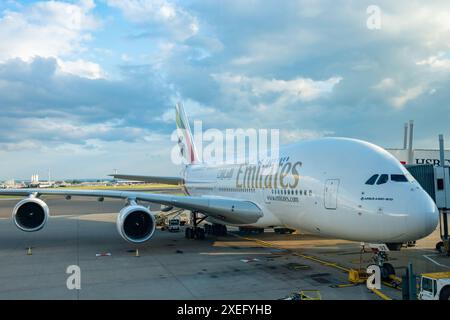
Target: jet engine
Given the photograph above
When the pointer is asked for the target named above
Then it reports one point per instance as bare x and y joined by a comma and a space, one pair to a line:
136, 224
30, 214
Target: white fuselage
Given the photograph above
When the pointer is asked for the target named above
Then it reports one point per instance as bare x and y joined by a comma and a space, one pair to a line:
320, 187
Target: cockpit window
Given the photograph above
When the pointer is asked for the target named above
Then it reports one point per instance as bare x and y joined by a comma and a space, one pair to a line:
399, 178
383, 179
372, 179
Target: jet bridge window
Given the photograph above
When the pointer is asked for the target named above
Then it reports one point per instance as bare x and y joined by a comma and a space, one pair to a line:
383, 179
440, 184
372, 179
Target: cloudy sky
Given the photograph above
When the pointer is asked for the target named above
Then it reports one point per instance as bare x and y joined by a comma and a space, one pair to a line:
88, 86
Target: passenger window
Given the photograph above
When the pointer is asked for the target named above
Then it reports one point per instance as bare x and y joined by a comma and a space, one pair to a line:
372, 179
383, 179
398, 178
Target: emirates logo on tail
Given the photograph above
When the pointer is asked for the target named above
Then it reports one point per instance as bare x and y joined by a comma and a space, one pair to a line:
230, 147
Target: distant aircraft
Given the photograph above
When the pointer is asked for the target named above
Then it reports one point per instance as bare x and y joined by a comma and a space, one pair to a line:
333, 187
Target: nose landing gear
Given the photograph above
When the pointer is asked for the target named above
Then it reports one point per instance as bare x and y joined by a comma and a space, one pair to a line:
387, 269
380, 258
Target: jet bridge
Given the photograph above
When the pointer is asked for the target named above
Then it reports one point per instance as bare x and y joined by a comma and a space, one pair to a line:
436, 182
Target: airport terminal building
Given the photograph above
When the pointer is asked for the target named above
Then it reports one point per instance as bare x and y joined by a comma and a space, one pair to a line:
421, 156
410, 156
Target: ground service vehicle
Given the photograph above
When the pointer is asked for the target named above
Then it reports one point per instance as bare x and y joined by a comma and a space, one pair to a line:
173, 225
434, 286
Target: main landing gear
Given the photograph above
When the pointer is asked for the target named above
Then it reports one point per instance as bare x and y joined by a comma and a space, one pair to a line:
216, 229
195, 232
199, 233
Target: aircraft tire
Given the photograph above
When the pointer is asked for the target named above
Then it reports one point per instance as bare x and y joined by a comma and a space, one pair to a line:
387, 270
189, 233
223, 230
445, 293
200, 234
440, 246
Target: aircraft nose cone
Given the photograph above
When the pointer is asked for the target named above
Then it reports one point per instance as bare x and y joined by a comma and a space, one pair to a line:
424, 215
432, 218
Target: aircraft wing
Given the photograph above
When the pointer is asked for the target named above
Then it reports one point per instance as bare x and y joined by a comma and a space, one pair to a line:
150, 179
228, 210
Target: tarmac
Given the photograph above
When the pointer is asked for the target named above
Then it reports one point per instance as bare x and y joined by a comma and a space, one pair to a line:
82, 232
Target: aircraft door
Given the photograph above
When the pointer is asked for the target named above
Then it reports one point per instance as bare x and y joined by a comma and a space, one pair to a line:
331, 193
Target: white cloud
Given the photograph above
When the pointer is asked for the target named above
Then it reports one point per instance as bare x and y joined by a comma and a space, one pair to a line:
386, 83
293, 135
438, 62
244, 60
82, 68
69, 130
407, 95
20, 145
192, 108
427, 23
125, 57
46, 29
286, 91
178, 21
63, 128
50, 29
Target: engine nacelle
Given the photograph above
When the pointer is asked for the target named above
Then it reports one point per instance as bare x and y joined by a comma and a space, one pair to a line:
30, 214
136, 224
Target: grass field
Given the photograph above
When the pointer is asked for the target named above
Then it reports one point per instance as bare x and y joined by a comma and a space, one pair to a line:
124, 187
145, 187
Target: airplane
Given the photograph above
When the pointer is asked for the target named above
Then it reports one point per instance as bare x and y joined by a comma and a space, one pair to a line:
333, 187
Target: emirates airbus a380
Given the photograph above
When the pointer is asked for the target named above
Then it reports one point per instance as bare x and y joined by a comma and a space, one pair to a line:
334, 187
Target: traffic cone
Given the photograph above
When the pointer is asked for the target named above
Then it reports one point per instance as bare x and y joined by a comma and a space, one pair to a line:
137, 253
29, 251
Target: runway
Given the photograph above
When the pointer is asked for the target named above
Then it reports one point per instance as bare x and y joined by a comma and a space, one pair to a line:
170, 266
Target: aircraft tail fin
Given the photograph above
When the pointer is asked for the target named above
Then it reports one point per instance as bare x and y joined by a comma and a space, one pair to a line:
185, 139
